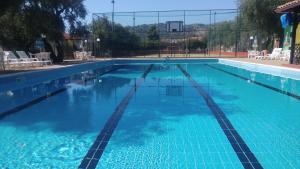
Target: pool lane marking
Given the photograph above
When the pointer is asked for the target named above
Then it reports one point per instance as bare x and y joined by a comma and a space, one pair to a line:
257, 83
29, 104
91, 159
246, 157
40, 99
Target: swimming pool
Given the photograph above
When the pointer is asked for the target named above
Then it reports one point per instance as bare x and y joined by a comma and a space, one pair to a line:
151, 114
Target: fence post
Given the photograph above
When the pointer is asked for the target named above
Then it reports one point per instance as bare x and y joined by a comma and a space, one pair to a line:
158, 29
133, 21
209, 34
236, 35
93, 43
184, 29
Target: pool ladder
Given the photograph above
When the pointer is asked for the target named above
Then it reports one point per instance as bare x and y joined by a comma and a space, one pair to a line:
167, 59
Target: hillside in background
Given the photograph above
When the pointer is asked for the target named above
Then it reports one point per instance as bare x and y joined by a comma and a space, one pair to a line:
193, 31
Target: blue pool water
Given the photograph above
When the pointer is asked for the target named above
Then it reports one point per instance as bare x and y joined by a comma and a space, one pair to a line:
167, 122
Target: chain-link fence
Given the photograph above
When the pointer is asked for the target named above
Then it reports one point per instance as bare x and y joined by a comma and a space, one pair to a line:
178, 33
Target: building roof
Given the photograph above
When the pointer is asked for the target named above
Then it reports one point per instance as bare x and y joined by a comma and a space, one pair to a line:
69, 37
292, 6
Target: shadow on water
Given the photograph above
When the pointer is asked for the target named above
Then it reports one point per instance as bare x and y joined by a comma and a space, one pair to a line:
148, 122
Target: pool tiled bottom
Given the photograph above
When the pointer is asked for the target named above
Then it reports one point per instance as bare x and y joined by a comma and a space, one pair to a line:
162, 116
168, 130
242, 150
95, 152
171, 147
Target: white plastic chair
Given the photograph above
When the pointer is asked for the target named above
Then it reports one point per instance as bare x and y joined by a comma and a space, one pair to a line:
43, 57
78, 55
253, 54
24, 56
11, 60
47, 57
275, 54
90, 56
75, 55
285, 55
82, 55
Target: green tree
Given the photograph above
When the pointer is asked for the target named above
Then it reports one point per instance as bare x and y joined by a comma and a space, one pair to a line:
224, 34
198, 44
121, 42
153, 34
153, 39
22, 24
260, 17
6, 5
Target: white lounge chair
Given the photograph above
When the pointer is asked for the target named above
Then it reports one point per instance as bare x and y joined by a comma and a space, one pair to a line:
24, 56
11, 60
75, 55
253, 54
84, 55
275, 54
78, 55
285, 55
90, 56
42, 56
261, 56
45, 56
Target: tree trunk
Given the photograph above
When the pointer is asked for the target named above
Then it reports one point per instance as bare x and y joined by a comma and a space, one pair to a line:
57, 52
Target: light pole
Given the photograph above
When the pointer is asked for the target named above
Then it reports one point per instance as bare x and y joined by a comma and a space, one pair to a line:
85, 48
113, 15
98, 42
44, 36
251, 42
113, 22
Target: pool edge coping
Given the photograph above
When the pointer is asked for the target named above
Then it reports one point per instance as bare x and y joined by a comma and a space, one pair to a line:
261, 64
115, 60
50, 69
96, 61
261, 68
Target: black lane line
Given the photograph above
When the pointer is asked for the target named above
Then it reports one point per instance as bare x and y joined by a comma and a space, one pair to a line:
40, 99
95, 152
247, 158
257, 83
29, 104
111, 69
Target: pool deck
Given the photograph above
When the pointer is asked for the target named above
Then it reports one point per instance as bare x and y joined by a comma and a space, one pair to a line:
67, 63
285, 64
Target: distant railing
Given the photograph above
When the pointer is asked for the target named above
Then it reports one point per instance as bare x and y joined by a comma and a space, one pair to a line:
176, 53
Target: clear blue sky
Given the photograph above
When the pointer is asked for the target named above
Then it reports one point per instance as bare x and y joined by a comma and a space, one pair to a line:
101, 6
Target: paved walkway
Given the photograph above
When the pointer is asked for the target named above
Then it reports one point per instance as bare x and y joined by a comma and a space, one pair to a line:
54, 66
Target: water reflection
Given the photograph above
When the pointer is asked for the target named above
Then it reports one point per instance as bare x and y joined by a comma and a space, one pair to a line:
283, 84
85, 80
253, 76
